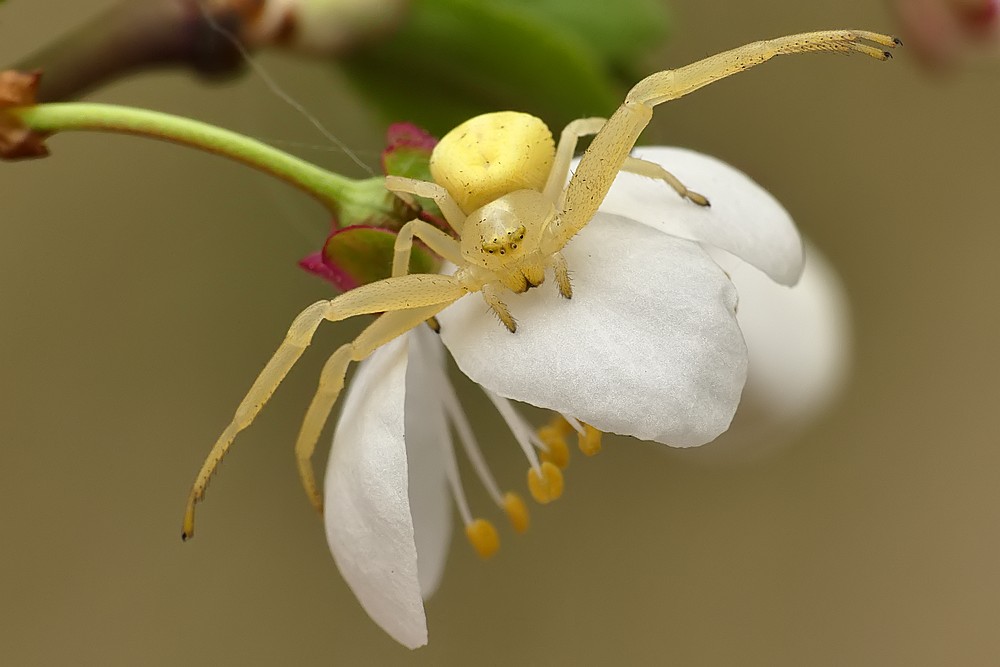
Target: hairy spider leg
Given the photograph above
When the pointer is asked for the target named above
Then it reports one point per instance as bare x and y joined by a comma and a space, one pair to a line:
498, 307
392, 294
610, 149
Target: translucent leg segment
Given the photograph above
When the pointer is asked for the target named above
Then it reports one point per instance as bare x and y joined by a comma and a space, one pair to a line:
641, 167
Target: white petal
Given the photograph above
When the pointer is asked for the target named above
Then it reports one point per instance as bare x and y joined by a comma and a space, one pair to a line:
743, 219
426, 434
648, 345
798, 337
367, 509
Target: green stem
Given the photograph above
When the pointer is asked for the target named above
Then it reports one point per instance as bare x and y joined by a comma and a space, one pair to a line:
331, 190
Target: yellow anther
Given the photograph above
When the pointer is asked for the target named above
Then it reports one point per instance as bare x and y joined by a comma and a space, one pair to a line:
559, 423
516, 511
556, 450
484, 538
545, 483
553, 436
589, 440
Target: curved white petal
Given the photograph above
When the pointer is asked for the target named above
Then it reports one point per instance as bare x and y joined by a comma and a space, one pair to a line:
367, 509
798, 337
648, 345
426, 434
743, 219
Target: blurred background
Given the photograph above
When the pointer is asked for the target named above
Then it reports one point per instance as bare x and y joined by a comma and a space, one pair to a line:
145, 285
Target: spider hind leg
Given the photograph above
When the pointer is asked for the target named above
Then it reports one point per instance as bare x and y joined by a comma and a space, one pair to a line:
634, 165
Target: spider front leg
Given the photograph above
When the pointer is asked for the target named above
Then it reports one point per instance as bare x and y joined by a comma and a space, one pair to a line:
610, 149
391, 294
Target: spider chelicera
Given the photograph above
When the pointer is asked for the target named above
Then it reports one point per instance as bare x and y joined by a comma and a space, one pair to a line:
501, 182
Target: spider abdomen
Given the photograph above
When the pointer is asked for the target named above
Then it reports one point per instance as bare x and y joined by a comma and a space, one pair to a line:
492, 155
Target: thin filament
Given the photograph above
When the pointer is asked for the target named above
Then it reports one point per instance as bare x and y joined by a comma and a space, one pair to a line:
517, 426
277, 90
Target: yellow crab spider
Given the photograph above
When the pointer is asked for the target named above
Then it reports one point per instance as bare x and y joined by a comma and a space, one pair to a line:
499, 180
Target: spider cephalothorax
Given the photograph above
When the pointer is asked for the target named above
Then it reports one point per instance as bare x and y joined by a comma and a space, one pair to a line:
501, 183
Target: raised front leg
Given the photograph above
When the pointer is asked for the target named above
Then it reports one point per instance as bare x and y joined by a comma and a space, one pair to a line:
608, 152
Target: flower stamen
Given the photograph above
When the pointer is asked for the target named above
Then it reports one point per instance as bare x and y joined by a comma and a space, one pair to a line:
545, 480
518, 427
589, 441
480, 532
553, 439
466, 436
455, 481
517, 512
484, 538
573, 422
510, 502
545, 484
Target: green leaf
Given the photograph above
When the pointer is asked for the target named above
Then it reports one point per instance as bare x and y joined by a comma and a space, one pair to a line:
621, 38
454, 59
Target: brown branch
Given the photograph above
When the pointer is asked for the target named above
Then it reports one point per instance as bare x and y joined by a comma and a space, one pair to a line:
17, 89
140, 35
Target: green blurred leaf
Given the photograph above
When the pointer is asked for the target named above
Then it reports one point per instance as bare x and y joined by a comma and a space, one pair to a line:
621, 37
454, 59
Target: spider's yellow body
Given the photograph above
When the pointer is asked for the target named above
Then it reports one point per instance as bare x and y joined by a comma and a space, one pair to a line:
501, 183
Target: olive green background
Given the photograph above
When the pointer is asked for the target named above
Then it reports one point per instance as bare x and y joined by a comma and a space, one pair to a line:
142, 286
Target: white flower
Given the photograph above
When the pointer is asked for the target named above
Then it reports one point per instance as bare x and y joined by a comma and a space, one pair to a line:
648, 346
798, 343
